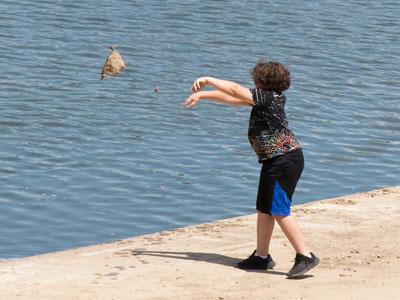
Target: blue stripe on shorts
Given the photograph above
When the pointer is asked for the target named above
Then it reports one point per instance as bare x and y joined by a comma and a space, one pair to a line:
280, 202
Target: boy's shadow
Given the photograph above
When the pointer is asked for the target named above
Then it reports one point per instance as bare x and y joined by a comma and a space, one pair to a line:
207, 257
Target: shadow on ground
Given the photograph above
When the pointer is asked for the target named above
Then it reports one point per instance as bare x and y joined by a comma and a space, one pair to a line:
206, 257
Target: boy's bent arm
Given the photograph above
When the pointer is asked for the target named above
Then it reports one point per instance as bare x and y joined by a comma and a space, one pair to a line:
230, 88
216, 96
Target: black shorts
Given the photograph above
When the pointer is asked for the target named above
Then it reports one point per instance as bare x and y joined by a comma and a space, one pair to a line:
278, 179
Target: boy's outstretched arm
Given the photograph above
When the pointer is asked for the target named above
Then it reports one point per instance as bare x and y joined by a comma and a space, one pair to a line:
216, 96
228, 87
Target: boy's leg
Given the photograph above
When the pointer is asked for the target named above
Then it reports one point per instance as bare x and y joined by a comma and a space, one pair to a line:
265, 226
304, 260
292, 231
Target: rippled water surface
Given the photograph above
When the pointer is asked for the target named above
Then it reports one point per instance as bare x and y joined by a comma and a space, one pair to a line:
85, 161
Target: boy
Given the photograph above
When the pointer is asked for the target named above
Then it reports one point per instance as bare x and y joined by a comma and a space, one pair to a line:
278, 151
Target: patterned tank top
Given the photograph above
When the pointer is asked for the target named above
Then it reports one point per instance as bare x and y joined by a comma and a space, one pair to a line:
269, 134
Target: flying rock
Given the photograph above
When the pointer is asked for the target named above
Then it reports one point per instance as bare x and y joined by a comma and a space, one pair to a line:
113, 65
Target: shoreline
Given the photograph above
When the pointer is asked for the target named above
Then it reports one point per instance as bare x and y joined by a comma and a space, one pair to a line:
355, 236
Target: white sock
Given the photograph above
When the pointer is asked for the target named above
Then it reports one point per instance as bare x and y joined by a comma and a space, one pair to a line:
264, 257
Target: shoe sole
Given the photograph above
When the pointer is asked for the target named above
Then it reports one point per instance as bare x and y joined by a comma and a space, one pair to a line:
271, 265
312, 265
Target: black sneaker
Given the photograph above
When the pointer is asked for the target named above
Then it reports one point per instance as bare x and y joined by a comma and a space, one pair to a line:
256, 262
303, 264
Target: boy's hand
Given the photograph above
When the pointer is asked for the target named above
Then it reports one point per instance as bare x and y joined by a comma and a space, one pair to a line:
198, 84
192, 100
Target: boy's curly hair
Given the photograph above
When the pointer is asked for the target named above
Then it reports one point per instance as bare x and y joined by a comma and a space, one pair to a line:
271, 75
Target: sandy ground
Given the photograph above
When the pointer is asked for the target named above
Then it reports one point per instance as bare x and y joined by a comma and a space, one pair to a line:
356, 237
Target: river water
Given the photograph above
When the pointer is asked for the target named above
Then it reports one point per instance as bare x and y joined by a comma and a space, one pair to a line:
85, 161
